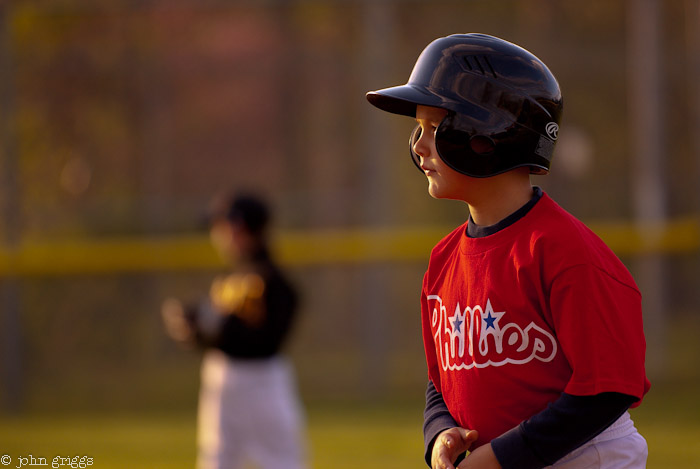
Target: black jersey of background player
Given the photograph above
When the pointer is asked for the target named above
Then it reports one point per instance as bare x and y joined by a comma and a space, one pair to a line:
249, 311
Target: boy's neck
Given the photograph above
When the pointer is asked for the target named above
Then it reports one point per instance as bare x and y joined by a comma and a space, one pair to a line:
505, 196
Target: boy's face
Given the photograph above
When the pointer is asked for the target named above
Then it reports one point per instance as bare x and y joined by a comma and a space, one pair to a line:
231, 240
443, 181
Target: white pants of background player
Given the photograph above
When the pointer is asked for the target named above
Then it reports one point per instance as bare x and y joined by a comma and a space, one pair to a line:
620, 446
249, 412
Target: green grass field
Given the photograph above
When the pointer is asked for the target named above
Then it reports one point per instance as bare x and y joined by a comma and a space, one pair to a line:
341, 436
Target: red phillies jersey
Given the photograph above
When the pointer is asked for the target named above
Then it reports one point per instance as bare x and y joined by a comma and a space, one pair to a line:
512, 320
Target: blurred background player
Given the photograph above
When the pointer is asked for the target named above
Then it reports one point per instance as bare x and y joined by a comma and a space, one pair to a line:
249, 410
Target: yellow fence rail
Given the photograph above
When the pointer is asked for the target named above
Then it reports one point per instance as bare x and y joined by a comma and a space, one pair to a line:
300, 248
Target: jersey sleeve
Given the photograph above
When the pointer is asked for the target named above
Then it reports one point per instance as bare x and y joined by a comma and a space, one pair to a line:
598, 319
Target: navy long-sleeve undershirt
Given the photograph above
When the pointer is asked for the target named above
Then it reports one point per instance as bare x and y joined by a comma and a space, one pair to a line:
546, 437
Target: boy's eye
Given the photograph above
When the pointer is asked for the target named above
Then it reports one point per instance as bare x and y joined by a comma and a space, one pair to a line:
430, 128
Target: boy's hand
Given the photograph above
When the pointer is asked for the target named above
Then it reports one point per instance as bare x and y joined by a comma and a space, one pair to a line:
449, 444
173, 314
481, 458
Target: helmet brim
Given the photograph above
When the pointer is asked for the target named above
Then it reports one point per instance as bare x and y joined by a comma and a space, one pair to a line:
403, 99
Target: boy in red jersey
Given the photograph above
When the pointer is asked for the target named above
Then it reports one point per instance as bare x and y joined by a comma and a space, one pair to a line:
532, 327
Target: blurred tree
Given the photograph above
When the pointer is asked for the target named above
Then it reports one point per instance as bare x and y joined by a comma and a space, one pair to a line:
11, 333
128, 116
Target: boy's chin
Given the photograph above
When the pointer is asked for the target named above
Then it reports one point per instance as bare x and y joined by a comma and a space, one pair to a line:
433, 192
436, 192
443, 195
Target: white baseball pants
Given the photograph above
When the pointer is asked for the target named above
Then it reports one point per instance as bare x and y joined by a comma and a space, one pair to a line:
620, 446
249, 412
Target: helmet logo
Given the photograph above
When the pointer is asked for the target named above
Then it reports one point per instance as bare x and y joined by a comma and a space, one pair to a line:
552, 130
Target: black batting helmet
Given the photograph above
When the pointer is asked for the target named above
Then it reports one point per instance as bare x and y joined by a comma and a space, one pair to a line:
248, 210
503, 103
